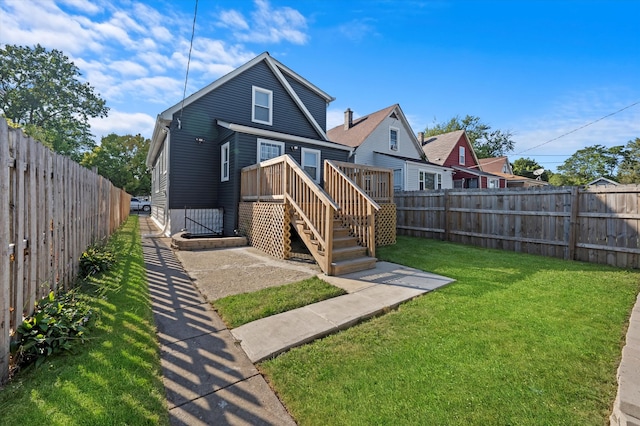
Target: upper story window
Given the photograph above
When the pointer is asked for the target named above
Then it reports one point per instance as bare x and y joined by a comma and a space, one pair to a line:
262, 110
461, 152
224, 162
393, 139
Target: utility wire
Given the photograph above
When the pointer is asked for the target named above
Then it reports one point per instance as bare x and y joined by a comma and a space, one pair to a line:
569, 132
580, 128
186, 78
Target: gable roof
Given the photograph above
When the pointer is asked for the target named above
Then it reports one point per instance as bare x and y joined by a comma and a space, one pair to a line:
438, 148
362, 127
603, 181
278, 69
493, 164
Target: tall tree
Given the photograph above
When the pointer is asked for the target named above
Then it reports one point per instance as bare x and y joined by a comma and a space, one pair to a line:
121, 159
526, 166
588, 164
629, 168
486, 143
40, 91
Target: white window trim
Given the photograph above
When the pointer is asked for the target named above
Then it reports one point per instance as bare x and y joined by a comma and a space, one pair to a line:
269, 141
437, 178
462, 156
224, 166
318, 153
495, 181
397, 138
255, 89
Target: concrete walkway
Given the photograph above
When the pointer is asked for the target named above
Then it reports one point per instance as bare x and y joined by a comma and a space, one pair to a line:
370, 293
208, 370
207, 377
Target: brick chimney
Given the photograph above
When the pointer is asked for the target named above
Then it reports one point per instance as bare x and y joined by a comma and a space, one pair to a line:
421, 137
348, 119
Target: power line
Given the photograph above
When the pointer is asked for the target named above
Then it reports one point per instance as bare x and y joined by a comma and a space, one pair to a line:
568, 133
186, 78
580, 128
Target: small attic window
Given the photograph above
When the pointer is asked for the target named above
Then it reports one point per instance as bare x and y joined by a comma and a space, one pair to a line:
393, 139
262, 110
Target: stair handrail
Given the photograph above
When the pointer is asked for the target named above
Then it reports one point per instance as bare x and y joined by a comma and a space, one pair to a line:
312, 204
357, 208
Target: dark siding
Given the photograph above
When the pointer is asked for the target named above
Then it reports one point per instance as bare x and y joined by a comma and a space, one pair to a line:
158, 194
195, 166
232, 102
316, 105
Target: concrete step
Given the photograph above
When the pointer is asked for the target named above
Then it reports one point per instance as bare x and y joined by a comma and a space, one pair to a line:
353, 265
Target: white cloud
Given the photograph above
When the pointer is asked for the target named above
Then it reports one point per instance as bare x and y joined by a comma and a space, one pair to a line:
233, 19
268, 25
560, 133
122, 123
128, 68
85, 6
358, 29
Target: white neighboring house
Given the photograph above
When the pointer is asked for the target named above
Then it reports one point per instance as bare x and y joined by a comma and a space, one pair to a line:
385, 139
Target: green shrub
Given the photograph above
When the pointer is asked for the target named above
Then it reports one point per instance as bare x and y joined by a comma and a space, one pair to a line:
97, 258
54, 325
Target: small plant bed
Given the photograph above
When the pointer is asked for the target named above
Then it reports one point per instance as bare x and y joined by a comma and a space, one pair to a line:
518, 339
114, 377
243, 308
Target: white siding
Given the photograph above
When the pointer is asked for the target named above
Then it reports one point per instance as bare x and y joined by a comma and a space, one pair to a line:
378, 141
414, 168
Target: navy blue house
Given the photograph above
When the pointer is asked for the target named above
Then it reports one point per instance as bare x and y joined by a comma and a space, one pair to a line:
259, 111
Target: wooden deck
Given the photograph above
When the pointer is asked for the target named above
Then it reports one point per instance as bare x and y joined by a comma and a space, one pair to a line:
337, 224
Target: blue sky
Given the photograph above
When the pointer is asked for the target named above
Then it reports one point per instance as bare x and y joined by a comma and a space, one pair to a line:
537, 68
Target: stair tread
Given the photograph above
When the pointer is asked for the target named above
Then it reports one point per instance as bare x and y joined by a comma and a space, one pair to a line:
363, 259
348, 249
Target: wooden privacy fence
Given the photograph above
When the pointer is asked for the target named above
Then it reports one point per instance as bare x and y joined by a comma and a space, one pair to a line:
51, 210
594, 224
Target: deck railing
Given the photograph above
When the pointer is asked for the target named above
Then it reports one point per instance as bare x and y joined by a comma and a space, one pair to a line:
376, 182
281, 178
357, 208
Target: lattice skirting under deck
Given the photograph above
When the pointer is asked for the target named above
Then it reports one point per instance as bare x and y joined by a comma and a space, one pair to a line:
386, 225
266, 225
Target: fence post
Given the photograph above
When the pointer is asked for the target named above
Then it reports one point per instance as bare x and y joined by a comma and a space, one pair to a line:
575, 207
5, 316
447, 220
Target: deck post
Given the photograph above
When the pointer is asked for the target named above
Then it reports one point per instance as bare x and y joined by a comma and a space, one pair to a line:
329, 239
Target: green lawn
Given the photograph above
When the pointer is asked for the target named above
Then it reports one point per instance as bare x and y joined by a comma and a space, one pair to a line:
517, 340
115, 378
243, 308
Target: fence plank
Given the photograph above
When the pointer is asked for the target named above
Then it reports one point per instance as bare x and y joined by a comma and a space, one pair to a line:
595, 224
5, 304
50, 208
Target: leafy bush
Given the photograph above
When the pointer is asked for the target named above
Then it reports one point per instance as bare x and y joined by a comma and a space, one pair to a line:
97, 258
54, 325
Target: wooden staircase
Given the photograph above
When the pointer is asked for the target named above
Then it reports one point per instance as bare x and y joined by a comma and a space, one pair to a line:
347, 255
337, 223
